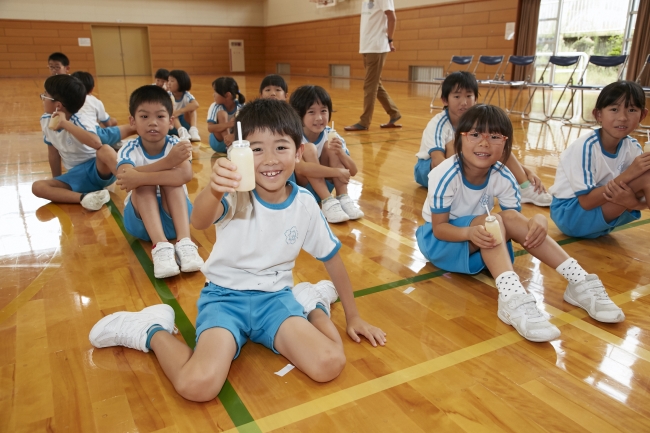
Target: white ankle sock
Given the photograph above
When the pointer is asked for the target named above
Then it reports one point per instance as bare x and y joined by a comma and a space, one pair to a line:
572, 271
508, 284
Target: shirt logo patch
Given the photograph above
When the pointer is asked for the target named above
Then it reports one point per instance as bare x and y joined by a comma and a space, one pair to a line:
292, 235
485, 200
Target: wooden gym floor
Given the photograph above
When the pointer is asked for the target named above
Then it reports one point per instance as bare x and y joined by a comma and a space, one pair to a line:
449, 365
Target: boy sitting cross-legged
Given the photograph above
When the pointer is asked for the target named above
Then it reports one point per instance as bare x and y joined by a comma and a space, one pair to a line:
154, 169
73, 142
248, 295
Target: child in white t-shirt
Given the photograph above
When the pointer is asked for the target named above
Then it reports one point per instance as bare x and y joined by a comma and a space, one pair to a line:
221, 114
603, 178
248, 294
154, 169
461, 190
185, 106
90, 166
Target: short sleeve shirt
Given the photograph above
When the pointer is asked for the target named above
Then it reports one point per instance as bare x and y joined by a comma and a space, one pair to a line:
322, 139
215, 108
180, 103
93, 110
72, 151
374, 25
436, 135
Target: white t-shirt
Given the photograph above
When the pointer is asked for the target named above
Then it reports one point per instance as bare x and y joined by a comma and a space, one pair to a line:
257, 242
72, 151
374, 25
437, 133
135, 154
93, 110
449, 191
585, 165
180, 103
216, 108
322, 139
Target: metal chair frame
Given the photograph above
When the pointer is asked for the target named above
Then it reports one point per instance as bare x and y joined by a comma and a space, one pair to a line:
525, 61
458, 60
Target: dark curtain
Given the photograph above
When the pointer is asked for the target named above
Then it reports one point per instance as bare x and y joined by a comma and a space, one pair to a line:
640, 45
526, 34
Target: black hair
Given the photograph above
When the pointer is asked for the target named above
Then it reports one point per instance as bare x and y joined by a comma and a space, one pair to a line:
306, 96
223, 85
86, 78
274, 80
270, 115
68, 90
631, 92
150, 93
162, 74
484, 118
59, 57
184, 82
461, 80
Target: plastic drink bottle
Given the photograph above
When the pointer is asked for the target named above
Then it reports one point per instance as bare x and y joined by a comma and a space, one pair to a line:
492, 226
241, 155
54, 122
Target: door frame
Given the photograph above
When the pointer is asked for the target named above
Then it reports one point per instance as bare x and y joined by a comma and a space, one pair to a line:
118, 25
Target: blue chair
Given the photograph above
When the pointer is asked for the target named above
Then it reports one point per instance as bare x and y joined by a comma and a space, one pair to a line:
489, 61
602, 61
528, 63
458, 60
562, 61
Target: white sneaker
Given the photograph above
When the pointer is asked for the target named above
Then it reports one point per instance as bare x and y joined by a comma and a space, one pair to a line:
522, 313
183, 134
348, 206
309, 295
187, 255
590, 295
130, 329
95, 200
528, 195
164, 263
194, 134
333, 211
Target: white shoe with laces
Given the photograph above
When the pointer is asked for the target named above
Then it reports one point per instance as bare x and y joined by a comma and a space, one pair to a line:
522, 313
129, 329
528, 195
187, 255
194, 134
349, 207
164, 263
591, 296
309, 295
95, 200
333, 211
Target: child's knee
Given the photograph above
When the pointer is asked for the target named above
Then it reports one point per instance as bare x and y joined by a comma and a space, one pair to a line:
38, 188
200, 387
329, 365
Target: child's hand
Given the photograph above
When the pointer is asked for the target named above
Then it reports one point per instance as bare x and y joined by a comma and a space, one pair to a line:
224, 177
535, 181
231, 123
63, 122
181, 152
620, 194
537, 230
128, 178
344, 175
357, 325
481, 237
336, 145
640, 165
177, 113
228, 139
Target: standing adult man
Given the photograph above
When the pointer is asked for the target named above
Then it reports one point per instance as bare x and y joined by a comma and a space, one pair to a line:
375, 42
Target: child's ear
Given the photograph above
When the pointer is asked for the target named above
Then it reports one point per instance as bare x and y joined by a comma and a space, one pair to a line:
596, 113
445, 101
644, 113
131, 120
299, 151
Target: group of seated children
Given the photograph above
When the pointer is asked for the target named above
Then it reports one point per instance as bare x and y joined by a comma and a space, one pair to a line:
603, 181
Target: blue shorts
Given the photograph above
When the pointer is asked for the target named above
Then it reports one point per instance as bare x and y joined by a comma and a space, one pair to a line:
85, 177
245, 313
452, 256
216, 145
573, 220
184, 124
135, 227
421, 172
109, 135
308, 187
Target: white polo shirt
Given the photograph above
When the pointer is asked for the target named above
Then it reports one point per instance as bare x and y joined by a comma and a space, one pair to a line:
374, 25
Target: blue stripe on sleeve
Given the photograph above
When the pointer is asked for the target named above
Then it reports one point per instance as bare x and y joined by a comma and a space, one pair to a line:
587, 151
443, 184
507, 174
438, 134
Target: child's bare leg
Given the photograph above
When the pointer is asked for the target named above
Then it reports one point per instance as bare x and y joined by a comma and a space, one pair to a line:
177, 123
106, 161
175, 204
497, 259
127, 130
310, 154
331, 159
196, 375
324, 324
55, 191
517, 169
145, 203
311, 349
190, 116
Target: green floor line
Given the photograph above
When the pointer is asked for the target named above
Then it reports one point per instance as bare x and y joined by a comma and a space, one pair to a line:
235, 407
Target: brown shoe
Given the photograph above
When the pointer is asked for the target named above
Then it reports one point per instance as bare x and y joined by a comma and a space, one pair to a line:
391, 123
356, 127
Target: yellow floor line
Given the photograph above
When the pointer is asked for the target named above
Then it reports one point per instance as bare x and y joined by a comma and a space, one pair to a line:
388, 233
354, 393
45, 275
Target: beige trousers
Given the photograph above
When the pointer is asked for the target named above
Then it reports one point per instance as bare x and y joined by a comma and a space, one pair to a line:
372, 89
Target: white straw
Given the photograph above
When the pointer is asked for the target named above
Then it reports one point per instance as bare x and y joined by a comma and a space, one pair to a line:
239, 131
488, 210
648, 132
